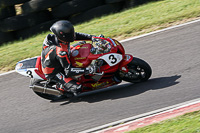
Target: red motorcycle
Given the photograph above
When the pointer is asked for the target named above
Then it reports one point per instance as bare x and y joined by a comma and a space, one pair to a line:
108, 55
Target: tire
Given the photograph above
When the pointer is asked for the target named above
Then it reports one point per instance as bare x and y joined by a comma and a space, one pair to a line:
96, 12
28, 32
43, 95
141, 67
73, 7
6, 37
23, 21
113, 1
129, 3
11, 2
39, 5
6, 12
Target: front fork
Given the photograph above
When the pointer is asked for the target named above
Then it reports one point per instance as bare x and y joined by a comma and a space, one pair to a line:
124, 71
126, 60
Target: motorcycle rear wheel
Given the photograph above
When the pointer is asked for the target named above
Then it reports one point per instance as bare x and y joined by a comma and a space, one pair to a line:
43, 95
139, 71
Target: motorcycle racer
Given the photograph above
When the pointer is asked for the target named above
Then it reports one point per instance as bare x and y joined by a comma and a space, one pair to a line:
56, 53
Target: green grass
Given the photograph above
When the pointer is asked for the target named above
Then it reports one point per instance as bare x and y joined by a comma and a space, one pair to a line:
128, 23
188, 123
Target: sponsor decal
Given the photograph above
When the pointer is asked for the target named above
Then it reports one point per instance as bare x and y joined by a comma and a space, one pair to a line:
79, 64
19, 65
77, 70
75, 53
98, 85
84, 47
79, 58
117, 42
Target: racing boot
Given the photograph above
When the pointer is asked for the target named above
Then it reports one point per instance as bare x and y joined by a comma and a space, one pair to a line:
73, 88
76, 89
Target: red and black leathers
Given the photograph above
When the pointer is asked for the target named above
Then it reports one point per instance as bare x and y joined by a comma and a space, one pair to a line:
55, 60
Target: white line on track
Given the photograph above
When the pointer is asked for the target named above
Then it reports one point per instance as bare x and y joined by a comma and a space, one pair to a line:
140, 36
7, 73
154, 32
152, 113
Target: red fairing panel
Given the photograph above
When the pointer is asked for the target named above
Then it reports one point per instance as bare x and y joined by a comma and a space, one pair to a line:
120, 47
39, 66
79, 56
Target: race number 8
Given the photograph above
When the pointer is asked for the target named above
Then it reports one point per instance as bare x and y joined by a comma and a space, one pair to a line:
112, 59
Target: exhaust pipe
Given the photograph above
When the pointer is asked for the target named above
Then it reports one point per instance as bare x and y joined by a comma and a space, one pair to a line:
44, 90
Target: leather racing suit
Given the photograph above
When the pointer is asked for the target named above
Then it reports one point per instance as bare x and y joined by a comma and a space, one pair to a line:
56, 64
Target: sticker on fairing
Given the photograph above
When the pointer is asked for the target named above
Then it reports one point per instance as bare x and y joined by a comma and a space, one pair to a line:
111, 59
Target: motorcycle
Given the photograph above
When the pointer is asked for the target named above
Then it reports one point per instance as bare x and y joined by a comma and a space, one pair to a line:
106, 54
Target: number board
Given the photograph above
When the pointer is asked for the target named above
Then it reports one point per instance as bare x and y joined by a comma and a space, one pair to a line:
112, 59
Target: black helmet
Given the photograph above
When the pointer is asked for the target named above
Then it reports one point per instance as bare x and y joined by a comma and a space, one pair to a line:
64, 30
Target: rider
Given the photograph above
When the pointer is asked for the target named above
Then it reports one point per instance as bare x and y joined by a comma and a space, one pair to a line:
56, 54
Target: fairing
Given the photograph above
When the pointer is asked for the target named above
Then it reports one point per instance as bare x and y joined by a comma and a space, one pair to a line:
110, 51
30, 68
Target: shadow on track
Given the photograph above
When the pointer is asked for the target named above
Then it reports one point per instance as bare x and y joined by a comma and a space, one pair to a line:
125, 90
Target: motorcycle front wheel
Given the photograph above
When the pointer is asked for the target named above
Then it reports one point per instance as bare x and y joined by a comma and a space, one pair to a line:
139, 71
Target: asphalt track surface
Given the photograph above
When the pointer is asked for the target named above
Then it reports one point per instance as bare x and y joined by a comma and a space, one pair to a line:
174, 56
